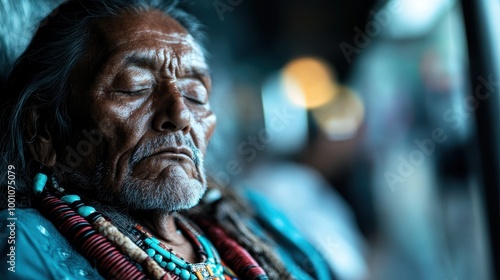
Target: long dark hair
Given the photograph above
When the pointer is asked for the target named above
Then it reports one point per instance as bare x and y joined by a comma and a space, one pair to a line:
40, 78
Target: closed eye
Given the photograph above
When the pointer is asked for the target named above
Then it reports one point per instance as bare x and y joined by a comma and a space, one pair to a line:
193, 90
135, 92
197, 101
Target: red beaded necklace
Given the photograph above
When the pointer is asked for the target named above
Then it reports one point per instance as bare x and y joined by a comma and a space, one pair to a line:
116, 255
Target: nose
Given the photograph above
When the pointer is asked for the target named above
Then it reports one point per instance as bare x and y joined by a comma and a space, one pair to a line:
173, 114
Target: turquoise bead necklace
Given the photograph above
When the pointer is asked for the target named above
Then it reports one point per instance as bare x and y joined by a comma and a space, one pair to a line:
210, 267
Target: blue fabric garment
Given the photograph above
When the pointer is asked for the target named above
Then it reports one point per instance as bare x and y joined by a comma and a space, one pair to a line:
41, 252
300, 257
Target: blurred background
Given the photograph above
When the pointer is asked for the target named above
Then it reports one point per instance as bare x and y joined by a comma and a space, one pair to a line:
374, 125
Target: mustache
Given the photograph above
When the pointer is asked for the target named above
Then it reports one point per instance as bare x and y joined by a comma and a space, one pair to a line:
154, 145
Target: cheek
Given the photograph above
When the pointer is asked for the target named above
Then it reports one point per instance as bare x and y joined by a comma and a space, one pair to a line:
209, 123
125, 111
121, 125
204, 128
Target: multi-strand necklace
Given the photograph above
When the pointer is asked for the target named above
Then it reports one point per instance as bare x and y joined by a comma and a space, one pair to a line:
210, 266
116, 254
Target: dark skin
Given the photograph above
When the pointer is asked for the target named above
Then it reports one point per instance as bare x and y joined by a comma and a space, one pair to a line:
154, 84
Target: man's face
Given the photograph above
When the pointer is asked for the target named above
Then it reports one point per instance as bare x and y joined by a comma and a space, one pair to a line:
150, 102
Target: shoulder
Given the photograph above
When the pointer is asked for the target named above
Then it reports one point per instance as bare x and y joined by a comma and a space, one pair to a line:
299, 255
21, 216
33, 248
24, 222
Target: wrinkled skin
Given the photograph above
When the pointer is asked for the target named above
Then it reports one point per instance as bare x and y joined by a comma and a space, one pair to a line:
150, 102
147, 94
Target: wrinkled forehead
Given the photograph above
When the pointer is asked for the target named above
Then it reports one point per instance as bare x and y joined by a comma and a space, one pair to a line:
146, 23
153, 34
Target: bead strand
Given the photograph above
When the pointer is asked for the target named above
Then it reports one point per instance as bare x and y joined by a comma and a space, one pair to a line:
176, 264
128, 247
113, 234
122, 242
235, 255
108, 260
112, 252
164, 257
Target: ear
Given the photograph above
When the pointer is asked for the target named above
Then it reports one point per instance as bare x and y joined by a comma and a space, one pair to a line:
39, 138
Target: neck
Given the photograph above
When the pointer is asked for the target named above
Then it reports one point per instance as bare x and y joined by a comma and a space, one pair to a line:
161, 224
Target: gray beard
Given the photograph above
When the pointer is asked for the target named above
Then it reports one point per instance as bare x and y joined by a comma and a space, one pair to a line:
140, 196
159, 196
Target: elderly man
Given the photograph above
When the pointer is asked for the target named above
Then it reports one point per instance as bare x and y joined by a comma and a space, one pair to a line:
105, 124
